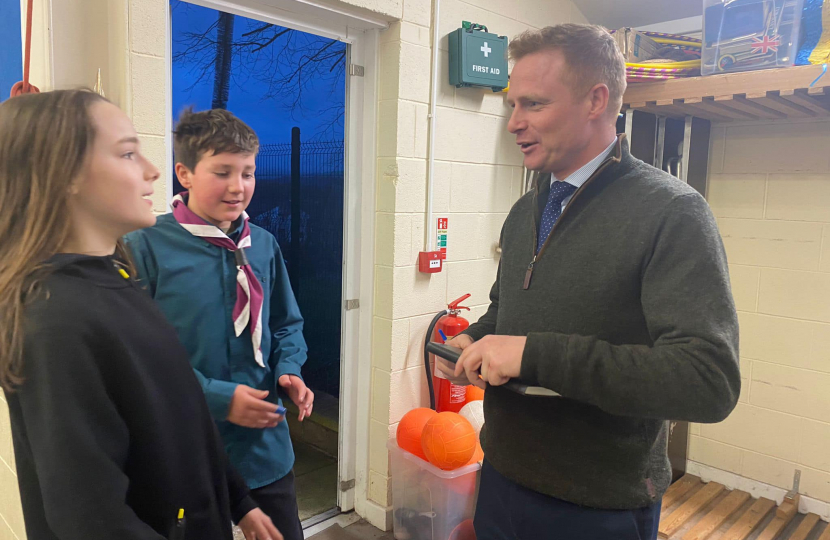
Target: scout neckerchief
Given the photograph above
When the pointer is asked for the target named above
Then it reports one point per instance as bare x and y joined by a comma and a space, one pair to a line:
249, 295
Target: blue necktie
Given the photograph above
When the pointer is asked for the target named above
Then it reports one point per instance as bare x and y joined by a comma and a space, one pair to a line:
559, 191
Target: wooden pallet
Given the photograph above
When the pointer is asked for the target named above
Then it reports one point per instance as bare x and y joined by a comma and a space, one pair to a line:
693, 510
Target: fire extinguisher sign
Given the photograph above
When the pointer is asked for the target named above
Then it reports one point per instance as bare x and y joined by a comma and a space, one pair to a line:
441, 241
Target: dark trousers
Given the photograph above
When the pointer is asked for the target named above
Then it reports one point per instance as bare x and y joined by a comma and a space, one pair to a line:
279, 502
508, 511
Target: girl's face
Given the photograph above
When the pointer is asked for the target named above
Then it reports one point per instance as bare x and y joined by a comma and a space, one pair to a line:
111, 197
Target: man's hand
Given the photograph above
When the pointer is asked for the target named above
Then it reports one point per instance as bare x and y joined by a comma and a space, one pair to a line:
496, 358
249, 409
461, 341
257, 526
299, 393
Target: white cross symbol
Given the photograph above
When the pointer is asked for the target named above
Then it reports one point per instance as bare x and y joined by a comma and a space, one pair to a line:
486, 50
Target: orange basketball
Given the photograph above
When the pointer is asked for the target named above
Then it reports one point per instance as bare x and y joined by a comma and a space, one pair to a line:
410, 428
474, 393
448, 440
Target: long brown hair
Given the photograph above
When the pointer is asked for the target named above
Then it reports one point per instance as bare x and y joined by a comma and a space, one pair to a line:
44, 144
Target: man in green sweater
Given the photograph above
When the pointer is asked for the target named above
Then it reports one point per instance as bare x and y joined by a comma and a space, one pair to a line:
612, 291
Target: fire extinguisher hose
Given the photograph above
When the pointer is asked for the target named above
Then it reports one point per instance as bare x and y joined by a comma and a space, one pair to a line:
427, 339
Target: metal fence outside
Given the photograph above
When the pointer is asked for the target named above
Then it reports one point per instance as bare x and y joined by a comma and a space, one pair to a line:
299, 199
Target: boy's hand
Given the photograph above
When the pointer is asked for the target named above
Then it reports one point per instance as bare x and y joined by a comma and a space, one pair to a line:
257, 526
299, 393
249, 409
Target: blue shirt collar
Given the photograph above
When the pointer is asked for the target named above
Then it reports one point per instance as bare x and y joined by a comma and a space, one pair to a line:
581, 175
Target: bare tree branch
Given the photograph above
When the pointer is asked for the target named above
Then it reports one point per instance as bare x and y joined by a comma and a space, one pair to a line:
257, 30
287, 62
271, 40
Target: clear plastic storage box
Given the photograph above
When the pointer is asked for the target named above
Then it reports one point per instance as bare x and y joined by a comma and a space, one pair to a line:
742, 35
429, 503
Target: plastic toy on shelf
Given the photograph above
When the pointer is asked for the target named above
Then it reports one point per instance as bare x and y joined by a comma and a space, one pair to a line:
656, 56
743, 35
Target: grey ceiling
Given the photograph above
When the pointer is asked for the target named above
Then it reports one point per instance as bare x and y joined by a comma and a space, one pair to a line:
618, 13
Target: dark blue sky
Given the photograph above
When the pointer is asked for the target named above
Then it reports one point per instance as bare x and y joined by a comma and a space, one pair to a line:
322, 100
11, 69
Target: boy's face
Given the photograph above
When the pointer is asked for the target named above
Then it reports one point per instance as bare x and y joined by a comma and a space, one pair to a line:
220, 187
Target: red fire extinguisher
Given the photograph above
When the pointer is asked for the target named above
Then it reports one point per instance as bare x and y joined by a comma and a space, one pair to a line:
449, 396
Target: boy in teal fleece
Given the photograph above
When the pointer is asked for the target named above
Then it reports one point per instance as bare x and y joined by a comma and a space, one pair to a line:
221, 281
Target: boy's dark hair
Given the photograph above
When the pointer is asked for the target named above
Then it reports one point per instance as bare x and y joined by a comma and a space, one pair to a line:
216, 130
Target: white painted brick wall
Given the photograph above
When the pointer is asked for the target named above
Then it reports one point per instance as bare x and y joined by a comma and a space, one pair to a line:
149, 76
11, 513
769, 187
146, 18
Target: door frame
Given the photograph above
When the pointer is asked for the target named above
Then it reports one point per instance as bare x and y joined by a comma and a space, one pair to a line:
360, 32
358, 273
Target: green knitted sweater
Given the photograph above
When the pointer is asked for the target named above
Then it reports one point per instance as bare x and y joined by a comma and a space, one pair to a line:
629, 316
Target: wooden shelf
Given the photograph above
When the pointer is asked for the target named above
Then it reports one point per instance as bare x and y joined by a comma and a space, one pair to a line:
773, 94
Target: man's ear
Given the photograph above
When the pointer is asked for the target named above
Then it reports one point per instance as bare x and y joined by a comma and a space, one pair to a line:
184, 175
598, 97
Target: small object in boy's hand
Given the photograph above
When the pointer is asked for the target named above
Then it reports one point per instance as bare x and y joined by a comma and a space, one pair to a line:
281, 410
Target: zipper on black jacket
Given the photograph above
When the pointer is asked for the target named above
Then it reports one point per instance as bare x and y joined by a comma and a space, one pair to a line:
529, 274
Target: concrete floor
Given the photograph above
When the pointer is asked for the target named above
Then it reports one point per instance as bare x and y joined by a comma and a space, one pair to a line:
316, 481
362, 529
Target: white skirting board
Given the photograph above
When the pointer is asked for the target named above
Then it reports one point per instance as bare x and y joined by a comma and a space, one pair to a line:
377, 515
756, 489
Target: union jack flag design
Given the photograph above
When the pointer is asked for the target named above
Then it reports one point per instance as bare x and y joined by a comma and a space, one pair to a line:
766, 44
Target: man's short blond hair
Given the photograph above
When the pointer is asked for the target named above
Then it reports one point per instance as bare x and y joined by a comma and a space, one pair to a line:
591, 55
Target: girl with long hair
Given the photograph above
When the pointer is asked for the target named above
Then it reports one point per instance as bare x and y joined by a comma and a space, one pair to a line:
112, 435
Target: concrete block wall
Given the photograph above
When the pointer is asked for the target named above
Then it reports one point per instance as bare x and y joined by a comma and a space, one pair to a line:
11, 514
478, 177
146, 102
769, 187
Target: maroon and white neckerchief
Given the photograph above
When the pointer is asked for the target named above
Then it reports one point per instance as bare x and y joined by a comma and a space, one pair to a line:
249, 295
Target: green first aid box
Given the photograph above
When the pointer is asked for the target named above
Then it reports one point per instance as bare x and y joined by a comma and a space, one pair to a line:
478, 58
